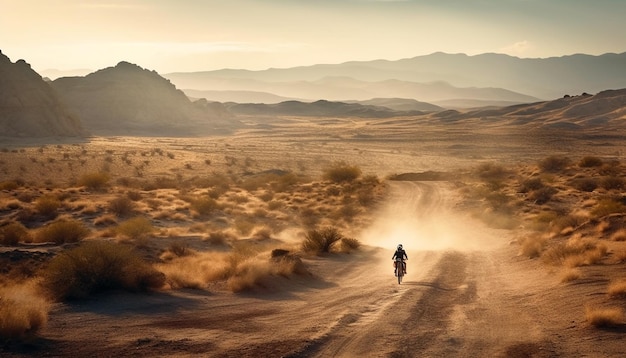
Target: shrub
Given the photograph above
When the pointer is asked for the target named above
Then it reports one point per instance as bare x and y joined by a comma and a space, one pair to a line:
619, 235
136, 228
533, 246
204, 206
543, 195
617, 289
321, 241
218, 238
98, 266
348, 244
612, 183
9, 185
22, 312
604, 317
94, 181
47, 205
342, 172
134, 195
531, 184
590, 161
12, 233
121, 206
63, 231
554, 163
576, 251
570, 274
491, 172
608, 206
585, 184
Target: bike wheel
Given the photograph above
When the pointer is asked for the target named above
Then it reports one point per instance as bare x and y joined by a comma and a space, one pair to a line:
400, 274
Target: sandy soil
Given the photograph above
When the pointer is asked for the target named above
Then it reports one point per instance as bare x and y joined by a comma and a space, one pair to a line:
467, 294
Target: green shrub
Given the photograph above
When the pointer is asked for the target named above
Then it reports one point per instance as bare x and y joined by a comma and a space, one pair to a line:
590, 161
63, 231
342, 172
136, 228
94, 181
321, 241
98, 266
13, 233
554, 163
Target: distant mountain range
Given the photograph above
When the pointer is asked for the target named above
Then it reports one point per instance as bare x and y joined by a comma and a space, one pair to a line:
29, 107
439, 78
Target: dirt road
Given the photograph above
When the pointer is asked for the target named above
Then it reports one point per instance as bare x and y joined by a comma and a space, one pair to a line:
464, 296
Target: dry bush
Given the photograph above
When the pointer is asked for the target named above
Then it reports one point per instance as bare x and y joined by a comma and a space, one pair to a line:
590, 161
604, 317
554, 163
619, 235
205, 206
611, 169
63, 231
321, 240
570, 274
340, 172
349, 244
94, 181
179, 249
105, 220
134, 195
219, 238
585, 184
98, 266
491, 172
244, 225
608, 206
13, 233
617, 289
533, 246
529, 185
137, 228
568, 222
121, 206
258, 272
23, 312
576, 251
9, 185
613, 183
275, 205
542, 195
47, 206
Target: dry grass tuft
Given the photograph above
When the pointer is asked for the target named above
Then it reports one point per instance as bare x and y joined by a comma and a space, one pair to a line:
321, 240
617, 289
13, 233
340, 172
137, 228
570, 274
47, 206
349, 244
604, 317
63, 231
576, 251
533, 246
121, 206
94, 181
23, 312
619, 235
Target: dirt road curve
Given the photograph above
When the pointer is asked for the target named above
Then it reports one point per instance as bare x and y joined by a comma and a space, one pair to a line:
461, 298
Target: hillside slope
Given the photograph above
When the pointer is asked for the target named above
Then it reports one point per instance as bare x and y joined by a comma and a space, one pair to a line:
29, 107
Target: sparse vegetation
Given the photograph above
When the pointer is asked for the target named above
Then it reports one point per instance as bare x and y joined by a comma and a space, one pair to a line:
341, 172
604, 317
554, 163
23, 312
63, 231
320, 241
94, 181
98, 266
137, 228
13, 233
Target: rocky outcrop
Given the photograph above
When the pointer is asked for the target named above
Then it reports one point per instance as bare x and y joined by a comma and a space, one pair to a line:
129, 100
29, 106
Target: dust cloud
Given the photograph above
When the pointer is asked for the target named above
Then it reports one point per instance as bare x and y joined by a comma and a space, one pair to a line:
421, 216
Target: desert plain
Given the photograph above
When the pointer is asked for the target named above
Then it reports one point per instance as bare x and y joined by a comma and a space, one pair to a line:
515, 237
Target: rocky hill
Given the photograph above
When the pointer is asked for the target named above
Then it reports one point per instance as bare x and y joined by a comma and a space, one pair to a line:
129, 100
29, 107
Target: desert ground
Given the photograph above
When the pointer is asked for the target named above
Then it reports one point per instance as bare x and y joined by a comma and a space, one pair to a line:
515, 240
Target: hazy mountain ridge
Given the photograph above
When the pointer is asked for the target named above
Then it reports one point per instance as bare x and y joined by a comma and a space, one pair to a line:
29, 107
538, 78
129, 100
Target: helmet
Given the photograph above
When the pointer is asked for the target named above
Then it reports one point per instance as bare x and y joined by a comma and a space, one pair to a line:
400, 247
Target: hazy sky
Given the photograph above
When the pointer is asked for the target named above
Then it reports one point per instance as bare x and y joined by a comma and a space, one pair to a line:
192, 35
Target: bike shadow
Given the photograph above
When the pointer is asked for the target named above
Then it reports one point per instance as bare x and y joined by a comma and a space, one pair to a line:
434, 285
